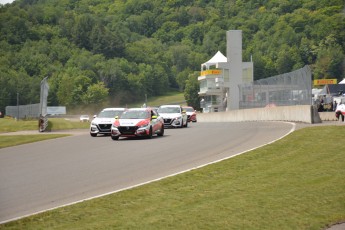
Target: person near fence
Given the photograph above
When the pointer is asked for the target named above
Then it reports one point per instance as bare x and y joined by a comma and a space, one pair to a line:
335, 105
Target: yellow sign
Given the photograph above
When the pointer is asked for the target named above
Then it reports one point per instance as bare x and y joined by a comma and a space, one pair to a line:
211, 72
325, 81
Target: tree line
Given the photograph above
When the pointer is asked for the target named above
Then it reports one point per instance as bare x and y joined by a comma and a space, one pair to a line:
105, 52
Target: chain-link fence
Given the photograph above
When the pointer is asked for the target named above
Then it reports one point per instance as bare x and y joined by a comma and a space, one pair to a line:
23, 111
33, 110
294, 88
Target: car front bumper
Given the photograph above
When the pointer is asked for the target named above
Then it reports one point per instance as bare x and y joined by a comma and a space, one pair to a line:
101, 128
130, 131
168, 122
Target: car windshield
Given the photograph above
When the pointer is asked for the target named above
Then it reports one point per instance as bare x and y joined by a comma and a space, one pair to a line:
188, 109
135, 114
169, 110
110, 113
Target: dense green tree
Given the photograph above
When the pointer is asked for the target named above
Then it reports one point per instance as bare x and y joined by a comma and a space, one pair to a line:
146, 50
95, 94
214, 41
191, 91
329, 63
160, 80
330, 59
82, 30
72, 87
287, 59
178, 56
106, 42
169, 32
14, 25
182, 77
132, 48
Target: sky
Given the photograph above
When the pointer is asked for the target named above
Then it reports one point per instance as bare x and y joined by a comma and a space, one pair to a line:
5, 1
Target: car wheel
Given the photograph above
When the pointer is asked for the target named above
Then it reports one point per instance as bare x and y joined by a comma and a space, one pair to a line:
114, 138
93, 134
161, 133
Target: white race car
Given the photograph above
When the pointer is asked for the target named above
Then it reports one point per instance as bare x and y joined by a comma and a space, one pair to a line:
102, 123
173, 116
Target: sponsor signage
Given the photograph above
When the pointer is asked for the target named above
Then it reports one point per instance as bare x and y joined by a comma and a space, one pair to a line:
325, 81
56, 110
211, 72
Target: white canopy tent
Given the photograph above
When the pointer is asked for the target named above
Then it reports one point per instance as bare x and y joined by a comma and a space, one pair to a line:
217, 58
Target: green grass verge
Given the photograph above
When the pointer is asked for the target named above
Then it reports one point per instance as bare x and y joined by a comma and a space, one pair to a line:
11, 125
63, 124
13, 140
171, 97
294, 183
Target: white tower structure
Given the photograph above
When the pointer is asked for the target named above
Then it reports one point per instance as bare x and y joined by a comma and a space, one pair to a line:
221, 76
234, 54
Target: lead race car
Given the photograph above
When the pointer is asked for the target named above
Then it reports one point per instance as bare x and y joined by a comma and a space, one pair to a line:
137, 122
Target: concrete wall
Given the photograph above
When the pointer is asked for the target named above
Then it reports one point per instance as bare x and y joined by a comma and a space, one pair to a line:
327, 116
300, 113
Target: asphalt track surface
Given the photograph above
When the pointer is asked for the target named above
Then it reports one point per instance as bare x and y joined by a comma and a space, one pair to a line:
44, 175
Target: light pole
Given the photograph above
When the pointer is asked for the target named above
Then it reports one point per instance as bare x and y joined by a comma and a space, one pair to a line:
17, 106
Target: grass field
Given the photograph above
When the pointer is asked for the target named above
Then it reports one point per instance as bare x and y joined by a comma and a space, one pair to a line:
294, 183
13, 140
11, 126
169, 98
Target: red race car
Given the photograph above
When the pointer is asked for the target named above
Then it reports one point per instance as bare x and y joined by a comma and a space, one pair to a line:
191, 113
137, 122
340, 112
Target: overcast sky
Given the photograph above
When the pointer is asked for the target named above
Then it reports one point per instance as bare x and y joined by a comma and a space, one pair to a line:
5, 1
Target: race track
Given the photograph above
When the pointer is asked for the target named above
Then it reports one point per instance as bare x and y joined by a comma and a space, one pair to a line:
39, 176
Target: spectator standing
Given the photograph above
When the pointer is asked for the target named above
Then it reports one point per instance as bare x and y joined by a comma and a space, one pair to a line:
335, 105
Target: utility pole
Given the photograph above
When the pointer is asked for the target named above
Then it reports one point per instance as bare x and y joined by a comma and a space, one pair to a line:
17, 106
